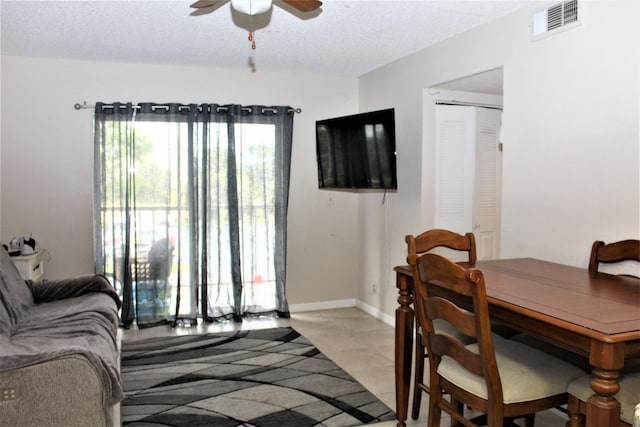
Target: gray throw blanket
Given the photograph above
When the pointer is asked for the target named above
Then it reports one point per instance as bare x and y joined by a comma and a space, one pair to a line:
47, 290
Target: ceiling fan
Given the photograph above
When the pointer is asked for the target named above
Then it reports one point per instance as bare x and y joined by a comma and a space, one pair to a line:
255, 7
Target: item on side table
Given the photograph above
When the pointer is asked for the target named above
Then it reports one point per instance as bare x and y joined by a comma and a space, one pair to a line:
27, 245
14, 247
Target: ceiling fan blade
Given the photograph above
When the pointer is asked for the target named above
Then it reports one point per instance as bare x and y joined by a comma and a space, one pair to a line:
204, 3
303, 5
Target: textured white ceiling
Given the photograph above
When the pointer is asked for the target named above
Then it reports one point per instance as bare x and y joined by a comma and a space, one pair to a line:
348, 37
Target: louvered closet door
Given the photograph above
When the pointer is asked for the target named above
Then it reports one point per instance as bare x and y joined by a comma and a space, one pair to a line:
468, 174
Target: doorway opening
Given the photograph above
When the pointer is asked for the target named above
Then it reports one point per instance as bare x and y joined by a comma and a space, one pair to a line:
463, 157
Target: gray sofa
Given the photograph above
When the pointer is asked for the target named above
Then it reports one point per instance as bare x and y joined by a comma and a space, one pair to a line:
59, 351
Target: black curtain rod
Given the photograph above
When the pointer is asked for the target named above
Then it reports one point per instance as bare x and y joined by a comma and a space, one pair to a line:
85, 106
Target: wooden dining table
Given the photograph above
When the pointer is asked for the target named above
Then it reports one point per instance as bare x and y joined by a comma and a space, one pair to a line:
596, 315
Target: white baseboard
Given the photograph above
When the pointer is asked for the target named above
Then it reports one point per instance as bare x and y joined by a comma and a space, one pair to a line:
345, 303
323, 305
384, 317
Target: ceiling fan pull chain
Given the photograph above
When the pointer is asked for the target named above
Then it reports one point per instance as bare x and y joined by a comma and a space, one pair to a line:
252, 40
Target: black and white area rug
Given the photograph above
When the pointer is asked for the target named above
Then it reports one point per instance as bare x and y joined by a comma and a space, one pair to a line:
269, 377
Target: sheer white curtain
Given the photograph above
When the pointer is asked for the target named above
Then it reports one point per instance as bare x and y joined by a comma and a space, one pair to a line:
190, 209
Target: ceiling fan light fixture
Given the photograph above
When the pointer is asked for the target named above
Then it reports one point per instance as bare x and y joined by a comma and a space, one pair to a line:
251, 7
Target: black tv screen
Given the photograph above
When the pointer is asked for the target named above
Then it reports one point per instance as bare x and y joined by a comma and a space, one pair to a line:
357, 151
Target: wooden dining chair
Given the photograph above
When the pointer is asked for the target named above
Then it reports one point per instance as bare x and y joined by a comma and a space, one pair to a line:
580, 389
454, 243
623, 250
418, 245
439, 238
500, 378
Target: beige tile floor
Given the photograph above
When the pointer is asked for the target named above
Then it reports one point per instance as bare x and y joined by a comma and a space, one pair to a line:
361, 344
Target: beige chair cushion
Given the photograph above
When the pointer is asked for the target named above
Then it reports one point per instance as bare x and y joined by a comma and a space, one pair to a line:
628, 396
526, 373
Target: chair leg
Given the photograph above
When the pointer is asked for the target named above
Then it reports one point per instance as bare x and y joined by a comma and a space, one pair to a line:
529, 420
459, 409
435, 412
418, 376
573, 409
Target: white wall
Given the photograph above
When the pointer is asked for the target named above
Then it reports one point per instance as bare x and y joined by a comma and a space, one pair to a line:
571, 111
47, 158
571, 156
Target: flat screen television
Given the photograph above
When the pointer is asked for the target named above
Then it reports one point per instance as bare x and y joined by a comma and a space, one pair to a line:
357, 151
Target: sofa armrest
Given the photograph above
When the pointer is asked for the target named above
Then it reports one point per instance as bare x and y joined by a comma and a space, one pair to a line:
59, 392
53, 290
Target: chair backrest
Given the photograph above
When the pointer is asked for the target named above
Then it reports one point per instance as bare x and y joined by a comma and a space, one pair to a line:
623, 250
440, 287
432, 239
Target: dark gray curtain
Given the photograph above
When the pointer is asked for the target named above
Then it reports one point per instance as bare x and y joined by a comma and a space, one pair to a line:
191, 209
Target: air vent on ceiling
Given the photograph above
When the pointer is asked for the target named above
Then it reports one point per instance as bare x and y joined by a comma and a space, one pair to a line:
556, 17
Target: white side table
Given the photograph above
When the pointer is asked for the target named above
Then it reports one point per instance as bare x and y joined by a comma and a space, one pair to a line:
31, 267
